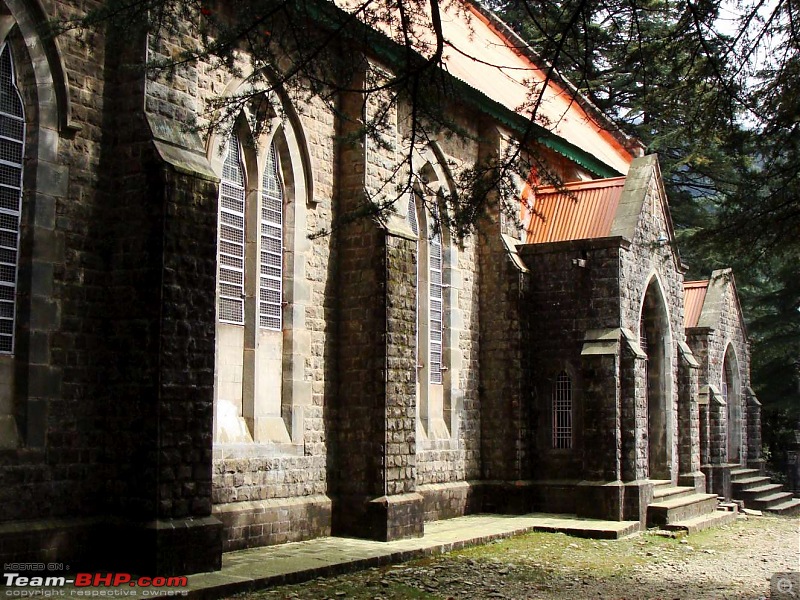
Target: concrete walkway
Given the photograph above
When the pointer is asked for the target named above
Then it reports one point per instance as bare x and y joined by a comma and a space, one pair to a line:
258, 568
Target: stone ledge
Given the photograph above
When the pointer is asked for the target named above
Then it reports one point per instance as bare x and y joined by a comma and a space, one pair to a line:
274, 521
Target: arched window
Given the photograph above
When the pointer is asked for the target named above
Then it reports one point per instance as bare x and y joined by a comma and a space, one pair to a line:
12, 149
256, 349
433, 401
271, 266
414, 224
562, 411
731, 395
232, 236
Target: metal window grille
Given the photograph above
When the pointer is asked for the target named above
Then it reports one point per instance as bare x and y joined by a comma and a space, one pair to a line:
643, 338
412, 221
271, 263
12, 149
231, 236
562, 411
412, 214
436, 305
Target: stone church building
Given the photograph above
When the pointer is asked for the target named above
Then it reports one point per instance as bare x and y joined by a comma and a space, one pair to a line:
185, 369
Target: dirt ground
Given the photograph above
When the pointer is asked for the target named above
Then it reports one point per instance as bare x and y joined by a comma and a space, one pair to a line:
733, 561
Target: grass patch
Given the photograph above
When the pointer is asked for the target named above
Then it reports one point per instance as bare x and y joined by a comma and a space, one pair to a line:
547, 553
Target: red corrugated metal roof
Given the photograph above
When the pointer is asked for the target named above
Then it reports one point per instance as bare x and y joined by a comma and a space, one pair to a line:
694, 295
576, 211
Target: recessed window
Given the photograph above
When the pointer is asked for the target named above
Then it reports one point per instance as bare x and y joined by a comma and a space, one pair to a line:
12, 149
231, 236
562, 411
436, 319
271, 267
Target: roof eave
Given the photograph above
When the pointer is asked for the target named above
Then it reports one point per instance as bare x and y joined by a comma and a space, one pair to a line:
629, 143
392, 53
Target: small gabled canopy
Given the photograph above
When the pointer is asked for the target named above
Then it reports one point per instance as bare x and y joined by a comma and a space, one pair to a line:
709, 308
596, 209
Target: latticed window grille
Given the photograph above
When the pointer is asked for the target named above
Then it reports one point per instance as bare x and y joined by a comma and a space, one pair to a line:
562, 411
271, 264
412, 221
12, 149
412, 214
436, 304
231, 236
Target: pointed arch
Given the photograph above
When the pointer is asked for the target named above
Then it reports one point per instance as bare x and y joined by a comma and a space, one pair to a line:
655, 336
260, 388
46, 58
731, 387
38, 74
437, 313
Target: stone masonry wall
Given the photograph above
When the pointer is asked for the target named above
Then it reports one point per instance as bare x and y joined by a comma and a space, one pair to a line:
564, 301
651, 253
457, 458
253, 474
720, 330
505, 427
55, 470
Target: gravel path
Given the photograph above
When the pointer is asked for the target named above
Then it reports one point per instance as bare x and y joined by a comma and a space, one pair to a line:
734, 561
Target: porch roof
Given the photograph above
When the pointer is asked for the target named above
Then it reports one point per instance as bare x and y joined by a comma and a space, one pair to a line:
575, 211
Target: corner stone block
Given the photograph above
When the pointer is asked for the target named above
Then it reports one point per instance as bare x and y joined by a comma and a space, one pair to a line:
396, 517
600, 500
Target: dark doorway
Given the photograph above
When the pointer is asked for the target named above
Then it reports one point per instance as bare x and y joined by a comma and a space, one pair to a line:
654, 335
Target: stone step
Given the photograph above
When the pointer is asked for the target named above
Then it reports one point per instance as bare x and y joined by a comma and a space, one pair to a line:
675, 510
701, 522
661, 493
741, 485
742, 473
661, 482
754, 493
790, 508
766, 502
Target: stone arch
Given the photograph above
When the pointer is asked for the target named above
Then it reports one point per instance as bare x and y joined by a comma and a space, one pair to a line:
46, 61
655, 335
436, 397
730, 384
42, 85
275, 107
275, 392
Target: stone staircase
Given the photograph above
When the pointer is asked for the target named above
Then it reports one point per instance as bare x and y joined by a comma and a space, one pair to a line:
759, 493
677, 508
